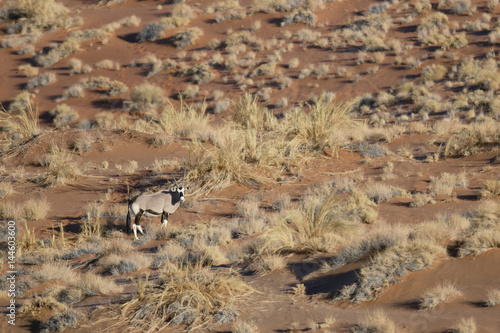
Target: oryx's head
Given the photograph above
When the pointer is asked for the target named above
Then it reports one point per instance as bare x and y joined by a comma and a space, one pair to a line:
180, 189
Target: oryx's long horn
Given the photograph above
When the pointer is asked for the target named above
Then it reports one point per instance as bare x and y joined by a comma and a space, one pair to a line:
184, 177
175, 181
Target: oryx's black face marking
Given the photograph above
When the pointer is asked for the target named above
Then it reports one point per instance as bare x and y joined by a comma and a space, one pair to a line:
181, 194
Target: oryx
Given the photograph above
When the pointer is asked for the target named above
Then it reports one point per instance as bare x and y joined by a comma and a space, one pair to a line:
164, 203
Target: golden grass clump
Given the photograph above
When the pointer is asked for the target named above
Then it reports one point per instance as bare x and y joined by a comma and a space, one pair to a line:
268, 263
483, 232
186, 121
437, 295
466, 325
34, 209
492, 297
61, 167
325, 126
375, 322
34, 14
241, 326
23, 121
145, 97
187, 294
248, 113
491, 187
386, 266
218, 167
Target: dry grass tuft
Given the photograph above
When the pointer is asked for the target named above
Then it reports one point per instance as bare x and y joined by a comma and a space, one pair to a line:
187, 294
466, 326
34, 14
492, 297
241, 326
268, 263
323, 127
24, 121
61, 167
118, 264
437, 295
34, 209
483, 232
490, 188
375, 322
145, 97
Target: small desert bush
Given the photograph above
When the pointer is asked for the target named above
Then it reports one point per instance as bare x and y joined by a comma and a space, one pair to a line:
322, 127
58, 52
168, 252
437, 295
421, 199
27, 70
445, 183
490, 188
185, 121
73, 91
130, 168
34, 209
145, 97
248, 206
118, 264
76, 66
375, 322
151, 32
33, 14
186, 37
385, 267
41, 80
466, 326
300, 15
61, 168
434, 73
186, 294
199, 73
61, 321
241, 326
483, 232
268, 263
264, 69
460, 7
249, 113
107, 64
112, 88
62, 115
492, 297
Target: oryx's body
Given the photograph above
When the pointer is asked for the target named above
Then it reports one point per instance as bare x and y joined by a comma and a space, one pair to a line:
162, 203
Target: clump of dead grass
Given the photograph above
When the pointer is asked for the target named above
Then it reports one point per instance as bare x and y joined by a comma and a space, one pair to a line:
483, 232
23, 120
394, 259
145, 97
492, 297
375, 322
61, 167
187, 294
33, 14
437, 295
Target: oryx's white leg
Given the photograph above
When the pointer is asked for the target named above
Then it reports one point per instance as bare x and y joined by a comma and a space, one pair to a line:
134, 228
140, 229
164, 223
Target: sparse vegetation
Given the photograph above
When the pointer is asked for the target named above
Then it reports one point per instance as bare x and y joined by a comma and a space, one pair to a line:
145, 97
437, 295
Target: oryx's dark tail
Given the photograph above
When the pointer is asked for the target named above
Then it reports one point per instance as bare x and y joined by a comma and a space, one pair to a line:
129, 219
